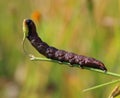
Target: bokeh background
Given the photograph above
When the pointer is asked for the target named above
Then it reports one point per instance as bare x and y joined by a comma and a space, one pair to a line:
87, 27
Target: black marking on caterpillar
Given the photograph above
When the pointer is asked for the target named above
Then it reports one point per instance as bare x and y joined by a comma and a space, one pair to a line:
60, 55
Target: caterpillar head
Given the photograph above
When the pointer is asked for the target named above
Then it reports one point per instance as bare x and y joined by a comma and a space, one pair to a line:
28, 27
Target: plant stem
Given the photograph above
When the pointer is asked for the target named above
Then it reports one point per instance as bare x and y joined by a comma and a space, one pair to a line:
101, 85
33, 58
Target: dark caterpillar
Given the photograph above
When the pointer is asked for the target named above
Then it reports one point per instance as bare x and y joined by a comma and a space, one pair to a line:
56, 54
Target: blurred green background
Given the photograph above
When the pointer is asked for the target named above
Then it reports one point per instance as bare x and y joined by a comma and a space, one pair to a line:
87, 27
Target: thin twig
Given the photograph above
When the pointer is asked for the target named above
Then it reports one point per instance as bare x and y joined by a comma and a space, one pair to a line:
101, 85
33, 58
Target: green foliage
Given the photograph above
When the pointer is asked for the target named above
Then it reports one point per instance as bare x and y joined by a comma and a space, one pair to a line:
87, 27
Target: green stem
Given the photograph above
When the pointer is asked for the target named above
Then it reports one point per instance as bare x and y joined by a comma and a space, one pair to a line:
33, 58
101, 85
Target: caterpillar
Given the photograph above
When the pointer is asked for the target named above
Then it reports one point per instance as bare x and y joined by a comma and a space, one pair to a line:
51, 52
